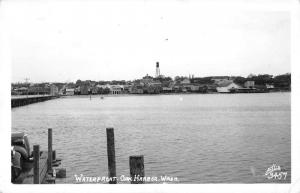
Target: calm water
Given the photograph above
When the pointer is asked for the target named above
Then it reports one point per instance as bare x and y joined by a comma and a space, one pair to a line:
213, 138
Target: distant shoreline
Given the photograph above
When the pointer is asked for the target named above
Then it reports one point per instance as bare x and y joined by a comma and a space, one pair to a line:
117, 95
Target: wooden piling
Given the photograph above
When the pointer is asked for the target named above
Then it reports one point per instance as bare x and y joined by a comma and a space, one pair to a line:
136, 164
53, 155
61, 173
36, 164
111, 155
49, 150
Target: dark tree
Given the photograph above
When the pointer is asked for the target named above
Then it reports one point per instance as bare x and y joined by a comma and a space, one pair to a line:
283, 81
240, 80
204, 80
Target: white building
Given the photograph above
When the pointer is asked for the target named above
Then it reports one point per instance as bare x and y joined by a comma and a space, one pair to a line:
227, 87
185, 81
116, 89
269, 86
70, 91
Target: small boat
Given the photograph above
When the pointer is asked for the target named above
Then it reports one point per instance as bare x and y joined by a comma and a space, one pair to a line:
101, 97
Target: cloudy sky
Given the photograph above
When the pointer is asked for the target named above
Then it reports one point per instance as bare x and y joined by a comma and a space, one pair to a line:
66, 41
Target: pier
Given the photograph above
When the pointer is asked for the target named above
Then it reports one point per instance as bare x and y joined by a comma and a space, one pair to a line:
17, 101
42, 170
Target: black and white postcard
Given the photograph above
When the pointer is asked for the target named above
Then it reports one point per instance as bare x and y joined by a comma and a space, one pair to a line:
177, 96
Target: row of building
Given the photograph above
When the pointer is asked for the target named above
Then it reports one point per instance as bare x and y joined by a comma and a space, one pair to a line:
149, 85
156, 85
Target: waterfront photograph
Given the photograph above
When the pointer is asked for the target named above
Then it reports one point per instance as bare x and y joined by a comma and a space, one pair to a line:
135, 93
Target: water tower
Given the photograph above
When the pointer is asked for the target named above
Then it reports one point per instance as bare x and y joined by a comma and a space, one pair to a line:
157, 74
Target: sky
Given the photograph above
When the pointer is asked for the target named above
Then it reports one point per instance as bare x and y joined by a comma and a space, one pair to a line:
91, 40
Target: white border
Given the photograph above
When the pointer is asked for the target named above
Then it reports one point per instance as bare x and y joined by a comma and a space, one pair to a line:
5, 122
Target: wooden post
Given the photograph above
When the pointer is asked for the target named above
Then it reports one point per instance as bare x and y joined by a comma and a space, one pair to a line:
53, 155
61, 173
49, 150
111, 155
36, 164
136, 164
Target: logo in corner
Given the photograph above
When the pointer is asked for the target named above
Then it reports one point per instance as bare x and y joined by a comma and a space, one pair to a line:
275, 172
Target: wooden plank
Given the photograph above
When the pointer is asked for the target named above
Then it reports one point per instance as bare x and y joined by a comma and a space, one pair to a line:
42, 168
43, 165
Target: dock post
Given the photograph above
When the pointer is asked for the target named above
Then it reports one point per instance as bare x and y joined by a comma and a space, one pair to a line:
54, 155
137, 172
49, 150
111, 155
36, 164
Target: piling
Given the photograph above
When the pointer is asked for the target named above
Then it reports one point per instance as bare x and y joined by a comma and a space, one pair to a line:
50, 150
53, 155
111, 155
136, 164
61, 173
36, 164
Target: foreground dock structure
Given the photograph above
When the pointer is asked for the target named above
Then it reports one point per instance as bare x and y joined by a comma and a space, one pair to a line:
43, 169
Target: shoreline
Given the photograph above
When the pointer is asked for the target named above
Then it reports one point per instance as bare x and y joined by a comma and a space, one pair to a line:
189, 93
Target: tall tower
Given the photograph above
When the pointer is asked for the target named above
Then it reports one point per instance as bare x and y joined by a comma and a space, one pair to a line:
157, 74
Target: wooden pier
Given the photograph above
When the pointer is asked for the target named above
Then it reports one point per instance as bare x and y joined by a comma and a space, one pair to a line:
42, 170
26, 100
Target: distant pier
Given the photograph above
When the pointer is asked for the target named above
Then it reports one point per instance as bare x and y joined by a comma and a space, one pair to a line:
17, 101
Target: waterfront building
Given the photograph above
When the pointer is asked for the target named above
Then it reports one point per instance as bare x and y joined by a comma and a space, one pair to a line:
136, 89
227, 87
260, 88
53, 90
186, 81
167, 89
70, 91
21, 91
94, 90
194, 88
99, 86
249, 84
270, 86
38, 90
127, 89
116, 89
